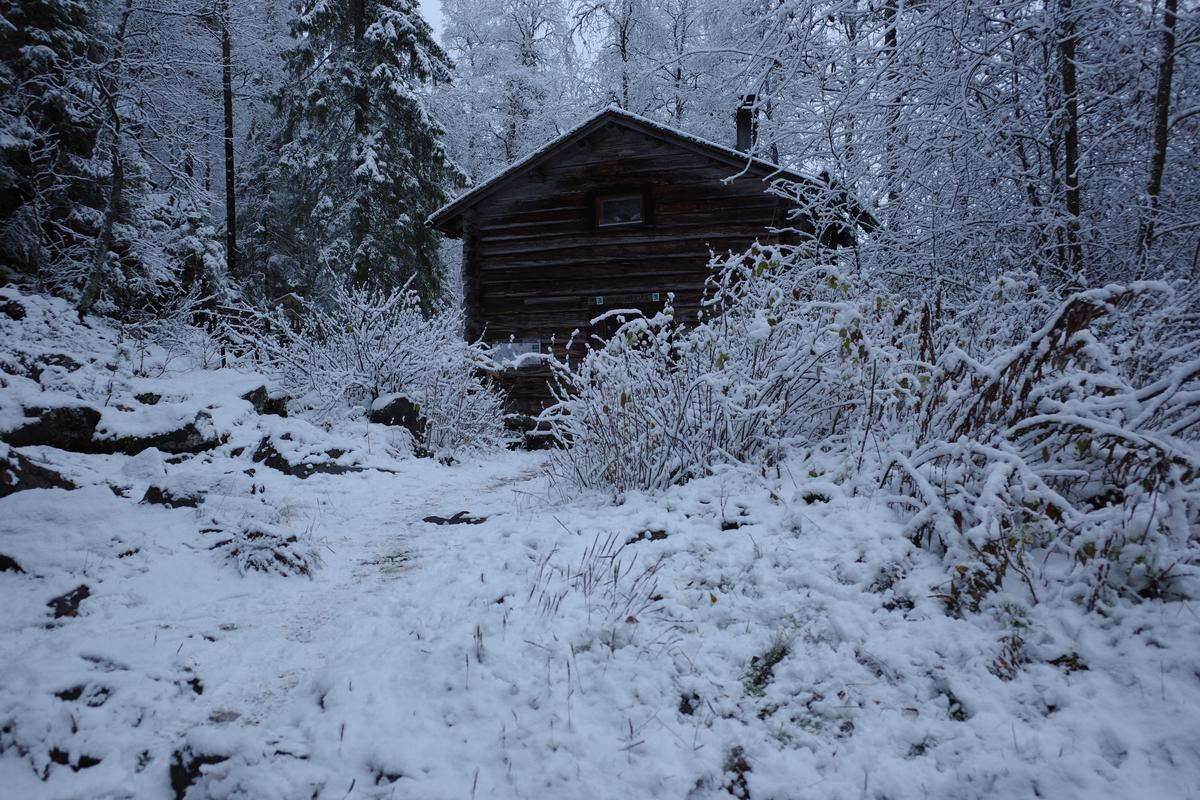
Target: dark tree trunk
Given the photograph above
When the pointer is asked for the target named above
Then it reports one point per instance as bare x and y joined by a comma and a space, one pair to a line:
358, 21
1162, 110
116, 188
891, 13
1070, 90
107, 86
230, 191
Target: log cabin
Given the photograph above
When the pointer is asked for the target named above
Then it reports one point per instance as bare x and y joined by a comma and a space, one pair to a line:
616, 213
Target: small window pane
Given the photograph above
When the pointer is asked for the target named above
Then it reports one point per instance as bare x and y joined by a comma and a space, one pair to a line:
509, 354
625, 210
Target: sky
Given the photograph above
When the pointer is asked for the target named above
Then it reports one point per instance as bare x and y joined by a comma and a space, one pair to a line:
432, 11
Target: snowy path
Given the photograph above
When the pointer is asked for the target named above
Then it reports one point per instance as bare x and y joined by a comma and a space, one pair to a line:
783, 647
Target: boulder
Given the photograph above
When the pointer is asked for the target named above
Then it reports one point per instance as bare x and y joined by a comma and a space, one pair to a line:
18, 473
268, 455
193, 437
401, 412
12, 309
65, 427
157, 495
265, 403
73, 428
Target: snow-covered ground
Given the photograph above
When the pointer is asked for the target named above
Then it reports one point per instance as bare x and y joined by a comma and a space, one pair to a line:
747, 636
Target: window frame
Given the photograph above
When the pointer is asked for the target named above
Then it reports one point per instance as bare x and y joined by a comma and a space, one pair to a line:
601, 199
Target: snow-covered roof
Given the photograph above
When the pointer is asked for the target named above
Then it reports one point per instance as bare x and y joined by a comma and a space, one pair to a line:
612, 114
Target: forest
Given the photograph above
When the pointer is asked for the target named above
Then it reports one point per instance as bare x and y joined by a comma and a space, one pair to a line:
914, 516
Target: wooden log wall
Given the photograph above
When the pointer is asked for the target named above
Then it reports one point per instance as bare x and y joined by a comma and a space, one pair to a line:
535, 261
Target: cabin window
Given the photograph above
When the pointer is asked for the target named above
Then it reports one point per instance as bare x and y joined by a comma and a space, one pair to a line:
619, 209
509, 353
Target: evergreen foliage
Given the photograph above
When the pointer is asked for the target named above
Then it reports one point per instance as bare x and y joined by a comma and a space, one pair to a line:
355, 167
49, 208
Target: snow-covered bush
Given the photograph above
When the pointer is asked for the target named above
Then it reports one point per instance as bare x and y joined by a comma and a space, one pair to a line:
1032, 440
166, 334
1076, 443
779, 356
256, 546
360, 347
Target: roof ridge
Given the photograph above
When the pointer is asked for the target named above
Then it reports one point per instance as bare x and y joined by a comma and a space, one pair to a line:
609, 110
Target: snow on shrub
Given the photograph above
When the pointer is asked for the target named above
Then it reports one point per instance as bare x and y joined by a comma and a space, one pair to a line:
256, 546
776, 358
1076, 444
360, 345
256, 535
1062, 460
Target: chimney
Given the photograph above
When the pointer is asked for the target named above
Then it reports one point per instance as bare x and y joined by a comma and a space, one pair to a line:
747, 124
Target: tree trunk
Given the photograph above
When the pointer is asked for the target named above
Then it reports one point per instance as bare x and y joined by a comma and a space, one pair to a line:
91, 289
358, 19
107, 86
891, 14
230, 191
1070, 89
1162, 110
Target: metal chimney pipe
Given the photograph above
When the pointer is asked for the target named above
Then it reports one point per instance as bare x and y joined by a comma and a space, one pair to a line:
747, 124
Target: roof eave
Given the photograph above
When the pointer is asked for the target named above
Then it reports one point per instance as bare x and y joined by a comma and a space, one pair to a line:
444, 219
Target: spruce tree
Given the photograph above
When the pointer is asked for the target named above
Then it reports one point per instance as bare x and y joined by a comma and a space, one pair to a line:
357, 166
49, 200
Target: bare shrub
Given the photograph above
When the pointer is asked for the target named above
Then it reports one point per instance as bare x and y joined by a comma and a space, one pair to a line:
256, 546
1063, 459
778, 357
1077, 444
361, 346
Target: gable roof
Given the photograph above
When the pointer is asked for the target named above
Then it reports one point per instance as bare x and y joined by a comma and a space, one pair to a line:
444, 217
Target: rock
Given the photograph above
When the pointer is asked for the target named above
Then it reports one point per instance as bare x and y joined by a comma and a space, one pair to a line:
461, 518
165, 497
531, 437
66, 427
647, 536
12, 309
18, 473
401, 412
9, 564
67, 605
269, 456
148, 398
62, 758
193, 437
277, 404
266, 403
185, 769
258, 398
73, 428
145, 467
58, 360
